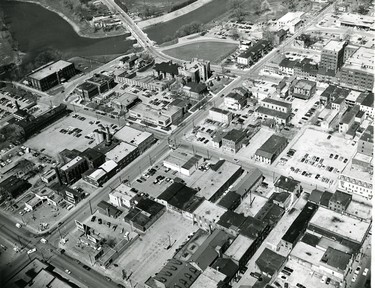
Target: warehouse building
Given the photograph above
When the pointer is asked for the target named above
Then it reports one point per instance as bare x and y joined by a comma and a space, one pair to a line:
271, 149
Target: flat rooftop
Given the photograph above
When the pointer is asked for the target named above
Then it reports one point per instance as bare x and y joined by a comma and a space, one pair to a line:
307, 253
334, 45
353, 96
132, 136
362, 60
52, 68
71, 163
209, 279
209, 211
290, 16
277, 102
357, 174
340, 224
211, 181
238, 247
120, 152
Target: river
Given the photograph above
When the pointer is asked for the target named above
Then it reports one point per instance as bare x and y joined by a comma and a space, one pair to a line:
36, 28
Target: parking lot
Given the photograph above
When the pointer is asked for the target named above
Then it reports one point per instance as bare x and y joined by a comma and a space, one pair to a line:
67, 133
318, 156
148, 254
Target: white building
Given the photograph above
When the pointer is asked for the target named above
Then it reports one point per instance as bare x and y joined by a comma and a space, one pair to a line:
289, 21
356, 182
140, 139
220, 115
183, 162
122, 196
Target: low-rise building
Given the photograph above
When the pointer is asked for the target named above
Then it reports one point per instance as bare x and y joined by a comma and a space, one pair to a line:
183, 162
102, 82
254, 53
159, 117
108, 209
122, 196
195, 90
298, 227
167, 70
149, 82
271, 149
339, 201
217, 180
220, 115
366, 142
270, 262
98, 177
122, 154
303, 89
348, 119
87, 91
367, 104
289, 185
339, 227
144, 213
51, 74
230, 201
278, 110
249, 183
365, 22
207, 215
232, 141
356, 182
140, 139
235, 101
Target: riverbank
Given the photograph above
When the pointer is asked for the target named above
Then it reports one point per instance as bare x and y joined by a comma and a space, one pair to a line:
76, 27
172, 15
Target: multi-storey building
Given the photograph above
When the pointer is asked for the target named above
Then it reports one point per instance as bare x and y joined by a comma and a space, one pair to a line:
51, 75
358, 70
197, 70
254, 53
233, 140
366, 142
333, 55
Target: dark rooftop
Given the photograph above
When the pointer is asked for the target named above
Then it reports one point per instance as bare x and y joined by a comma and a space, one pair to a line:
229, 199
87, 86
235, 135
112, 210
341, 198
324, 200
226, 266
270, 262
368, 135
286, 183
280, 197
369, 100
181, 197
272, 145
252, 227
310, 239
258, 46
197, 87
300, 223
270, 213
336, 258
167, 67
248, 181
231, 220
92, 154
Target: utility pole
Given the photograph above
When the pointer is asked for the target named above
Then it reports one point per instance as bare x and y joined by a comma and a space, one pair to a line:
58, 228
90, 207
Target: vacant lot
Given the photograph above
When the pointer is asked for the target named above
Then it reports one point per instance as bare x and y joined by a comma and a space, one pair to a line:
212, 51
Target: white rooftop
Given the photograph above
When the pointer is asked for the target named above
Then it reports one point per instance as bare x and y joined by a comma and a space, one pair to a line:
358, 20
334, 45
362, 59
211, 181
210, 211
97, 174
307, 253
238, 247
290, 16
108, 166
50, 69
340, 224
71, 163
120, 152
132, 136
353, 95
209, 279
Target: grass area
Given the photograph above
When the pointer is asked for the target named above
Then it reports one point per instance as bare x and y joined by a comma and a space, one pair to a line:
152, 6
212, 51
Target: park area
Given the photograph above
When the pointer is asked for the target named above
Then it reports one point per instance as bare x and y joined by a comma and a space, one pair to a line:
212, 51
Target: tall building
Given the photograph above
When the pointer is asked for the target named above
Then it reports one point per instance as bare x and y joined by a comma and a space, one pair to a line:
197, 70
358, 71
333, 55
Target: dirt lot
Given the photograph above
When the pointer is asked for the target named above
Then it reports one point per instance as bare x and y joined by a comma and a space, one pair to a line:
316, 144
148, 254
57, 141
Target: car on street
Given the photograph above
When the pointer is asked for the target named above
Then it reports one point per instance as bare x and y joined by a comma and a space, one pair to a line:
68, 271
323, 280
256, 275
31, 251
357, 270
108, 279
354, 278
365, 271
86, 267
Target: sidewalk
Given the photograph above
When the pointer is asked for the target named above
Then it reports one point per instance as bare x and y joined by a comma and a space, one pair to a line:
172, 15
